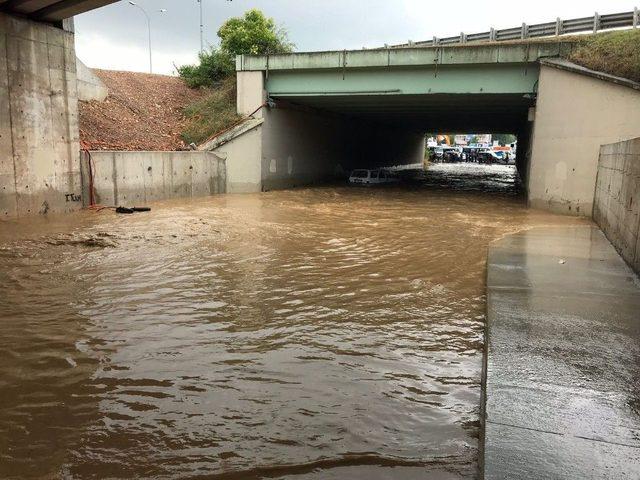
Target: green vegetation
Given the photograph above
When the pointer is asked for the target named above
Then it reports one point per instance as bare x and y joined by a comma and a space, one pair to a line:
212, 114
253, 33
214, 66
504, 138
616, 53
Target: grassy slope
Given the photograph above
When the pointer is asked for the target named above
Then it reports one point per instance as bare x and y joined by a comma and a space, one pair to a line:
616, 53
211, 114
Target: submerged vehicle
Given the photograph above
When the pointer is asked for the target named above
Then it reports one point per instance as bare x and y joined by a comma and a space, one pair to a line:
371, 177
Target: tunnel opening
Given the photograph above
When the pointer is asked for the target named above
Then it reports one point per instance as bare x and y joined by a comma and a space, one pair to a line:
408, 136
470, 162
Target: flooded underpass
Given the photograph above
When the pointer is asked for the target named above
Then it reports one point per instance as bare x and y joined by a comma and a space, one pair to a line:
316, 333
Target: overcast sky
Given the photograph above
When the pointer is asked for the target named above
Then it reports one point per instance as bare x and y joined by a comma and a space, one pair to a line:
115, 37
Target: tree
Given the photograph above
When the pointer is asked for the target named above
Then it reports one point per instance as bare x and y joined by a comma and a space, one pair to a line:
504, 138
253, 33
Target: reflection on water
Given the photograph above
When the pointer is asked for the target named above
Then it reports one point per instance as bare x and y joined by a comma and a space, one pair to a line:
314, 333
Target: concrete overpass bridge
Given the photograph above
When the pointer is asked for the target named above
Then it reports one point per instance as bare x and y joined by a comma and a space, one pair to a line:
343, 109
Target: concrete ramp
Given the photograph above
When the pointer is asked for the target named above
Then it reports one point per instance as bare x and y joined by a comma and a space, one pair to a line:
563, 358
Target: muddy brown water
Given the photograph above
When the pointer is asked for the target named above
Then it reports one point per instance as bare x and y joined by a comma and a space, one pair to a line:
306, 334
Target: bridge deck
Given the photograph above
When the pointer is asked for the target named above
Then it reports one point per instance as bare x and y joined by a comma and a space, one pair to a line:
476, 54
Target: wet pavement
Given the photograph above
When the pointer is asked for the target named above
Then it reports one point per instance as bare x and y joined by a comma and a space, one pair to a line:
563, 358
321, 333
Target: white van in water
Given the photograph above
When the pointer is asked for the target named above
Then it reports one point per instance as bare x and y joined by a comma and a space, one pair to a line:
371, 177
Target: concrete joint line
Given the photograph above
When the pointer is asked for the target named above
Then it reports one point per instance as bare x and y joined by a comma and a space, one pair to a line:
13, 156
531, 429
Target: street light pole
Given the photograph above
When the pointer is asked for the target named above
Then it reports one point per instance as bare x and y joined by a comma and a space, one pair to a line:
149, 31
201, 28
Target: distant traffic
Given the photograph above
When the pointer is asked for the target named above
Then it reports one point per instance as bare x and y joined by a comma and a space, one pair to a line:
474, 154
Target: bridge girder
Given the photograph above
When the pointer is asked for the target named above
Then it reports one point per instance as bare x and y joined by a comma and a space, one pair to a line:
51, 10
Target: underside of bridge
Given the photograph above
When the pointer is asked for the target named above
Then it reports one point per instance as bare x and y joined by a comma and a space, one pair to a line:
50, 10
490, 113
361, 121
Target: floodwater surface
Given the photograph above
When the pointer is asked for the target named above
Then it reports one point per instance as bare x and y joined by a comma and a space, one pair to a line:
321, 333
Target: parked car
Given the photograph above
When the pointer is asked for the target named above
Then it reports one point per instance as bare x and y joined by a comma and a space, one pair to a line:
451, 154
436, 154
371, 177
490, 157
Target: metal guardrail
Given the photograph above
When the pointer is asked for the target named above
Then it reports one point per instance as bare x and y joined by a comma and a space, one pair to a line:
559, 27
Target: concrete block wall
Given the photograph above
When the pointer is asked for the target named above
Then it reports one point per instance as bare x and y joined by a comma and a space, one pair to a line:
138, 178
39, 136
617, 198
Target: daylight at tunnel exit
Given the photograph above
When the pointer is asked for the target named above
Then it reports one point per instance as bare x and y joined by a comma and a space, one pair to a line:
320, 240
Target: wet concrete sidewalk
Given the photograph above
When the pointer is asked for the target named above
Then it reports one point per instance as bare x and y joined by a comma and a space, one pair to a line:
563, 358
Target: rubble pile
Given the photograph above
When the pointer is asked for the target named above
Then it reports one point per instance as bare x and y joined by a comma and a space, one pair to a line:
142, 112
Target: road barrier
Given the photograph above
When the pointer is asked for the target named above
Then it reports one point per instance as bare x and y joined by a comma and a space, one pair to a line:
594, 24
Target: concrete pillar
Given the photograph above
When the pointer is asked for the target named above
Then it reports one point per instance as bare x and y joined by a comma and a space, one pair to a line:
251, 92
39, 135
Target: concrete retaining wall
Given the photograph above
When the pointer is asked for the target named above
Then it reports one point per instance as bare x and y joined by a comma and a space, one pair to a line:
241, 150
137, 178
617, 198
39, 145
575, 115
90, 87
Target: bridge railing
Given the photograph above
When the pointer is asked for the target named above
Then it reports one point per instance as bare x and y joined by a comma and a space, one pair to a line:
593, 24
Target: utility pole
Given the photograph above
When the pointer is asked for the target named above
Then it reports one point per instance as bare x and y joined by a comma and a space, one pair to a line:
201, 28
202, 25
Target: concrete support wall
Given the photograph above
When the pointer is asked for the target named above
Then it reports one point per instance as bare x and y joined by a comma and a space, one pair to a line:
137, 178
90, 87
574, 116
243, 156
617, 198
251, 93
39, 146
302, 147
